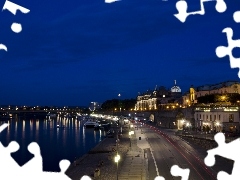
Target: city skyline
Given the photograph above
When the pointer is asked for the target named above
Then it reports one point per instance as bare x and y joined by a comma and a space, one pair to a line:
92, 51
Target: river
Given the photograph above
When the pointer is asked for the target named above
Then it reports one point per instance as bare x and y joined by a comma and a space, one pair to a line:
55, 143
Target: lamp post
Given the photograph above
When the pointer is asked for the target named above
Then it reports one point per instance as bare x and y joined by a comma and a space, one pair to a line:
130, 140
120, 110
130, 133
117, 158
119, 95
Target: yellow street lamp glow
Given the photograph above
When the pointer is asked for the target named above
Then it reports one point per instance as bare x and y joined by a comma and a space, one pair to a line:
130, 133
117, 158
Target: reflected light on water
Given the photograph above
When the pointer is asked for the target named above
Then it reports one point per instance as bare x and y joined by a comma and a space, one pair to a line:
57, 133
37, 125
83, 137
23, 126
31, 128
44, 124
55, 143
95, 136
31, 125
23, 129
16, 126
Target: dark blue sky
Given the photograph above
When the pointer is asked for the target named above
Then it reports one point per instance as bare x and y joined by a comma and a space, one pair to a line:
77, 51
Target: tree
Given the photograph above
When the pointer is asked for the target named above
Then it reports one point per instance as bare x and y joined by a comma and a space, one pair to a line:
126, 104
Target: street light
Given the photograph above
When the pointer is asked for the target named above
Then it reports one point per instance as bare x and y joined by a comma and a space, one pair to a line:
117, 158
130, 140
130, 133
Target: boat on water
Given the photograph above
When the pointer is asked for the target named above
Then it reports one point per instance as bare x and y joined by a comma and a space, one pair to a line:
91, 124
67, 115
58, 126
51, 115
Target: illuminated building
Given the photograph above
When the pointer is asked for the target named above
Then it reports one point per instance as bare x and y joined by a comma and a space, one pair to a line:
154, 99
222, 88
217, 118
94, 106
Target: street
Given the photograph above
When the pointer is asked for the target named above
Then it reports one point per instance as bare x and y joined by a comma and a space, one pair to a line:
166, 152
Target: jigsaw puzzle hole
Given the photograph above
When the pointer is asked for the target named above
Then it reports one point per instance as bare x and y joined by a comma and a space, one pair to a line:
193, 5
236, 52
20, 153
223, 164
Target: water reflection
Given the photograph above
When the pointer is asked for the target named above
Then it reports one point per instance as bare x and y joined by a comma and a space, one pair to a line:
23, 129
23, 125
95, 136
15, 126
37, 125
55, 143
83, 137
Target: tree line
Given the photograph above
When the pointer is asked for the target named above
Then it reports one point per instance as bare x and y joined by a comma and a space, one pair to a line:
116, 104
218, 98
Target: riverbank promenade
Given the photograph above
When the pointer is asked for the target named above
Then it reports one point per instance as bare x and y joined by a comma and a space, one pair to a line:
99, 163
136, 155
135, 165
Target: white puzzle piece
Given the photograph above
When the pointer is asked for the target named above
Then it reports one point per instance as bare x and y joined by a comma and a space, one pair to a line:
222, 51
33, 169
182, 7
227, 150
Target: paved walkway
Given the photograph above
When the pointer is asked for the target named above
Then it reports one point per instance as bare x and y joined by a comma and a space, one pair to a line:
103, 152
135, 165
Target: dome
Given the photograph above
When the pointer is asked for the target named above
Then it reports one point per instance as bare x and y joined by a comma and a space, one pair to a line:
175, 88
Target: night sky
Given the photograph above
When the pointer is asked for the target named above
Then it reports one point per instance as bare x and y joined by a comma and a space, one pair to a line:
72, 52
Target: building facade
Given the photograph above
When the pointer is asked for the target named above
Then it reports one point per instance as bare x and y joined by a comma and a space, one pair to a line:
152, 100
223, 88
94, 106
217, 118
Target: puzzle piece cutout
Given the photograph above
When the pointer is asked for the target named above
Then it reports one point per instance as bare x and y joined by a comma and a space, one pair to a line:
35, 165
111, 1
85, 178
3, 47
222, 51
3, 126
159, 178
182, 7
33, 169
13, 8
236, 16
223, 150
177, 171
5, 155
